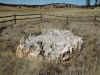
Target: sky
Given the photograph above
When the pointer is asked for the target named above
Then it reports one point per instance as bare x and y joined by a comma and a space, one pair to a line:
41, 2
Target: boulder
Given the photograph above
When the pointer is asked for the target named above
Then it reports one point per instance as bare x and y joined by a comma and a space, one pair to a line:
51, 43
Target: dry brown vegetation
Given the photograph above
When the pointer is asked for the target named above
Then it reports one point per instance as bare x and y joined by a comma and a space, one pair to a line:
87, 61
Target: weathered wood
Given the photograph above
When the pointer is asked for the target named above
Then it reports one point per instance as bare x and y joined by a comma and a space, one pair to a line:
67, 20
45, 18
41, 18
6, 21
14, 19
28, 15
95, 20
6, 16
28, 18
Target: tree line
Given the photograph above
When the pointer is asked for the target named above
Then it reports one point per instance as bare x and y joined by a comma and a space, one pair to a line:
88, 3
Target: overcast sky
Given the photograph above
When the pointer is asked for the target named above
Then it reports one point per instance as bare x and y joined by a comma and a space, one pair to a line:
39, 2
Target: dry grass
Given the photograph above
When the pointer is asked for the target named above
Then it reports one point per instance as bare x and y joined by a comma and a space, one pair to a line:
87, 60
59, 11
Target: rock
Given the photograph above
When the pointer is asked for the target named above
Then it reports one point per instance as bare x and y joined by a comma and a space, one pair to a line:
52, 43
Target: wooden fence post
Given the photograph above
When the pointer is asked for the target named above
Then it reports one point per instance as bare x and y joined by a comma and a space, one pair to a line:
95, 20
14, 19
41, 18
67, 20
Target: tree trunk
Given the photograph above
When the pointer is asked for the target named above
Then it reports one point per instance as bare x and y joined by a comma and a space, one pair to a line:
96, 2
88, 3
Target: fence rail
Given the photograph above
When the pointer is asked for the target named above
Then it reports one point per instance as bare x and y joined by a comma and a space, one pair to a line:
29, 18
27, 14
15, 17
6, 21
6, 16
43, 18
98, 19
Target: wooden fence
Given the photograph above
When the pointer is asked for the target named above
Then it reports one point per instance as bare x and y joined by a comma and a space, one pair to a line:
14, 18
69, 19
45, 18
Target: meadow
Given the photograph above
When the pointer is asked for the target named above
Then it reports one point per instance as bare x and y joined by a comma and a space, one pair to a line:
85, 62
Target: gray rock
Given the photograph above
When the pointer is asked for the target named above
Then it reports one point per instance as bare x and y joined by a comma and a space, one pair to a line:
51, 43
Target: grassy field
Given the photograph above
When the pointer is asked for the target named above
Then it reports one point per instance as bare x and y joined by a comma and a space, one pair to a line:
85, 62
59, 11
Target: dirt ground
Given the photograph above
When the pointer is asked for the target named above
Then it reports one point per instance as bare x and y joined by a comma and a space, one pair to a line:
85, 62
